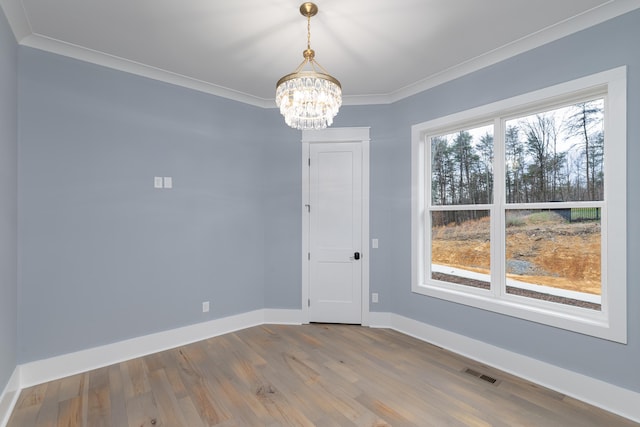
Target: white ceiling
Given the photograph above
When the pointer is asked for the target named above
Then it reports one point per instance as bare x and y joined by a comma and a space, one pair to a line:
380, 50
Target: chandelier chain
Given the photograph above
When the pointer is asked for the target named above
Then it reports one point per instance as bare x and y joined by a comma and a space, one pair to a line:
309, 32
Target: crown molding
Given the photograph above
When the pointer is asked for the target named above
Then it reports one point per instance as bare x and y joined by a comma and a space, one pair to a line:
40, 42
19, 22
572, 25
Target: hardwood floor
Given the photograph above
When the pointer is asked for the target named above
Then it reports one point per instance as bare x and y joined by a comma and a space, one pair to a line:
311, 375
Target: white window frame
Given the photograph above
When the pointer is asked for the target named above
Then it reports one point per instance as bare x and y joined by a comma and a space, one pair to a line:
611, 321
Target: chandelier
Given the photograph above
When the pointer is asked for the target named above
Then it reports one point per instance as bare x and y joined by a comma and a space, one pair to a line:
309, 99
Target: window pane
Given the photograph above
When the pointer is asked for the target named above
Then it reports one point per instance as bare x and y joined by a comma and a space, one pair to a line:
462, 167
556, 155
461, 247
554, 255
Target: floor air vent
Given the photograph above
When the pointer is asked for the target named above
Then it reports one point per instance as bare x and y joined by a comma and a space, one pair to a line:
480, 375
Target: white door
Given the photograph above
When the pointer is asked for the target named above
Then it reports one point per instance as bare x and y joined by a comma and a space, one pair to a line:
335, 232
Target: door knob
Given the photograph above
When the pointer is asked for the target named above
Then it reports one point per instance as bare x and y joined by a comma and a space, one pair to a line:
356, 255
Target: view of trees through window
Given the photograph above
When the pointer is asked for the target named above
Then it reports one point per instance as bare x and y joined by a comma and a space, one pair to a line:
557, 155
554, 156
462, 167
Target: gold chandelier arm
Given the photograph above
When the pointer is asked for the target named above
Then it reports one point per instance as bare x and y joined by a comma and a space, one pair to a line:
301, 66
313, 62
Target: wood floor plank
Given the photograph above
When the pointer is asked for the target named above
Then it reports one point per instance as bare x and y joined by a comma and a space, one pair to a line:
24, 416
134, 378
48, 414
190, 413
118, 413
189, 359
166, 400
70, 387
32, 396
283, 403
171, 368
142, 411
309, 375
99, 399
70, 412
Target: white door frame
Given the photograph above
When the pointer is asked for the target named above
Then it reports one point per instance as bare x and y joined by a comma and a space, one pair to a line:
335, 135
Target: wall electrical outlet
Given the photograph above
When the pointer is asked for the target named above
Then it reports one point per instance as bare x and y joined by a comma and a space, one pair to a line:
157, 182
205, 307
374, 297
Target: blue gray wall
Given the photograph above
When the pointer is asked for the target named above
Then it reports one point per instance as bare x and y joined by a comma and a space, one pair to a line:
603, 47
105, 257
8, 200
281, 210
383, 181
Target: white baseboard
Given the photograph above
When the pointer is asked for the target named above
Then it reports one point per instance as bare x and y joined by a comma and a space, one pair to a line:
9, 397
282, 316
379, 319
41, 371
607, 396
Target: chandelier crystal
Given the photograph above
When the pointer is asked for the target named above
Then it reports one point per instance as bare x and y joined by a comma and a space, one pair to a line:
309, 99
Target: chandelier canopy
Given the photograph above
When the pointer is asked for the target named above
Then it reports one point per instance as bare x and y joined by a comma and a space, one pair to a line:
309, 99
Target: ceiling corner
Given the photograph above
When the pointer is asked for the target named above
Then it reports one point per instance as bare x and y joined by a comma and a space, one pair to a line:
17, 17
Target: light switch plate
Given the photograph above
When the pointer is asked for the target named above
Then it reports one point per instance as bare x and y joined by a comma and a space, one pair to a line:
168, 182
157, 182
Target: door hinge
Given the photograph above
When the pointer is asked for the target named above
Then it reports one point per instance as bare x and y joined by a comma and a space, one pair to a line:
309, 162
309, 302
308, 206
309, 255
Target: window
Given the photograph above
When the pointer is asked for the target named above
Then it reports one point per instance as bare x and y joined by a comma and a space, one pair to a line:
519, 207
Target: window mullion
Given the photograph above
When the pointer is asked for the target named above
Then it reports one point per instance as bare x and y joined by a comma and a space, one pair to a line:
498, 213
